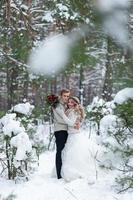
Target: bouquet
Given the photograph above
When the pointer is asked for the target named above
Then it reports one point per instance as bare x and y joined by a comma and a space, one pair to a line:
52, 100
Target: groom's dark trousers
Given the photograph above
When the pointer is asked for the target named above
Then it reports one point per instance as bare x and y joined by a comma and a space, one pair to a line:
61, 138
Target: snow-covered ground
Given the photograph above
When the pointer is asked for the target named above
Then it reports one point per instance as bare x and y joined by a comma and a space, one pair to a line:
42, 186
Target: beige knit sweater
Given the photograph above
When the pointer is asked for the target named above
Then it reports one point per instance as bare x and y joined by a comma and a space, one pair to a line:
61, 121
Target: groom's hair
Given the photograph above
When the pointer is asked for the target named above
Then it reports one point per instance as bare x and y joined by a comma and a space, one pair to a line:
64, 91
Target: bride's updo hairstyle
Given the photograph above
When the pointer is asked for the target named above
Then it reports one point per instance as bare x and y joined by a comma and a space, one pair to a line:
80, 109
76, 99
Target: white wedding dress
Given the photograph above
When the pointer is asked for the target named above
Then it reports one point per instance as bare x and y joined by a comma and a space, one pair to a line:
77, 158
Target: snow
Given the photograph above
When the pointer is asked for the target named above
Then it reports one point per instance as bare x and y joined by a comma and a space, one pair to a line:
66, 12
24, 108
23, 145
51, 55
12, 127
9, 125
123, 95
62, 7
48, 17
95, 103
109, 5
115, 19
101, 106
109, 126
13, 5
8, 117
23, 6
63, 10
109, 122
42, 186
115, 26
129, 142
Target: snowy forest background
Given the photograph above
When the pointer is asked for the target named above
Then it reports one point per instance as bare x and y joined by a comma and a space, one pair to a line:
98, 67
99, 72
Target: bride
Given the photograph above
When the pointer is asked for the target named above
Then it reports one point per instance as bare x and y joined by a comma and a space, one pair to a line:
77, 160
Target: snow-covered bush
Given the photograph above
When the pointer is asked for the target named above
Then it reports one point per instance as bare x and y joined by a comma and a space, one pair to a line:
111, 128
19, 147
113, 121
117, 136
30, 123
97, 110
125, 111
15, 144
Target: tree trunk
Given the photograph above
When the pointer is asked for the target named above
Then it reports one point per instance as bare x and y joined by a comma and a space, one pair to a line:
8, 11
8, 159
107, 87
81, 85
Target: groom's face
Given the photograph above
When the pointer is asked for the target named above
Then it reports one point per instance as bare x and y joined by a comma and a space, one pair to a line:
65, 97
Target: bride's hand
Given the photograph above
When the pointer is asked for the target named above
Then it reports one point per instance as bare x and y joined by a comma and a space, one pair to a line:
77, 125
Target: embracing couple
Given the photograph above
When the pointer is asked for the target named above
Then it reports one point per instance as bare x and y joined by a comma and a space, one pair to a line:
72, 154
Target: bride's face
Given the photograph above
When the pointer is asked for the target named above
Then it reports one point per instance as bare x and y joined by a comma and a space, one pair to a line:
71, 103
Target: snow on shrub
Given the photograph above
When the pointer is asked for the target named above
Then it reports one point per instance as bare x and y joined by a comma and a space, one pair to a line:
109, 123
19, 138
123, 95
110, 126
16, 144
23, 108
23, 145
117, 136
12, 127
97, 110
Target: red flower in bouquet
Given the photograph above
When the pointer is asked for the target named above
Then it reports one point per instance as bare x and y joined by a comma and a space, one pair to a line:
52, 100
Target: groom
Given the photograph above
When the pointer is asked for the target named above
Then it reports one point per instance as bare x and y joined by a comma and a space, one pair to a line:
60, 128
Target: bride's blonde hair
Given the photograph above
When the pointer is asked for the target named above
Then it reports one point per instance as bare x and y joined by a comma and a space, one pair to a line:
80, 108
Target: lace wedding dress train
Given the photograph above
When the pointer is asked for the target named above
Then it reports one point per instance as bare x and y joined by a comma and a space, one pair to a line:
77, 159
